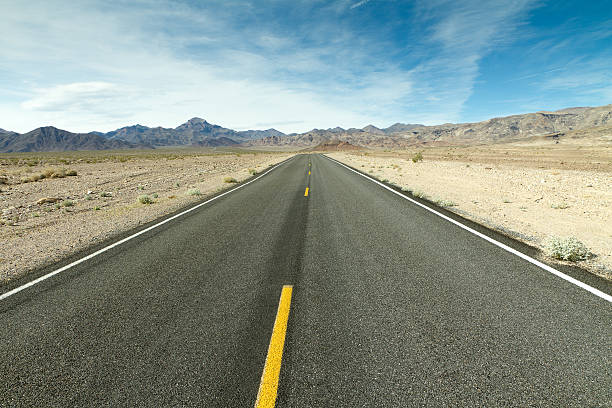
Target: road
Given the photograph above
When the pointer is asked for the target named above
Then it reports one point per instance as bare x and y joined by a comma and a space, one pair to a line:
391, 306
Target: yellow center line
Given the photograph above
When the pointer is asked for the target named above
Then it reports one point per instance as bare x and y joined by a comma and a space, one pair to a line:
266, 397
306, 192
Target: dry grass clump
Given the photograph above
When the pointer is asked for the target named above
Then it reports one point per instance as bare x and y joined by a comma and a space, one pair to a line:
253, 171
560, 206
567, 249
48, 174
194, 192
145, 199
445, 203
230, 180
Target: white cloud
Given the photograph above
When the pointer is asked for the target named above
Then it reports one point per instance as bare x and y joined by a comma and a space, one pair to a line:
72, 96
123, 64
360, 3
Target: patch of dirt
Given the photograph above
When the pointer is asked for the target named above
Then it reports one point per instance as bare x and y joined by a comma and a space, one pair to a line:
531, 190
47, 220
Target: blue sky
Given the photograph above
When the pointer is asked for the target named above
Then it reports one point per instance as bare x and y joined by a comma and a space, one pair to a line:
296, 65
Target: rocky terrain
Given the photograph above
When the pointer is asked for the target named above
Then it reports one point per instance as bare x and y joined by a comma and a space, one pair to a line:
509, 128
54, 205
200, 133
50, 139
534, 189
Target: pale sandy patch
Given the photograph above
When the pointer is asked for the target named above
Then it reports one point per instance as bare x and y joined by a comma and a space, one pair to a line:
531, 204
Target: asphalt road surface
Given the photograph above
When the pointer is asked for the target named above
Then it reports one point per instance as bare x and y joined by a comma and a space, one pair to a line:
392, 306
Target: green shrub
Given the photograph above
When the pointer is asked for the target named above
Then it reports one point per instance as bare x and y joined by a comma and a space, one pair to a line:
417, 157
106, 194
445, 203
230, 180
193, 192
97, 208
68, 203
145, 199
567, 249
154, 195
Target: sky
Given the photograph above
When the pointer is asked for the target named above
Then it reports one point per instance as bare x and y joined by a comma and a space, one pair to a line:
298, 64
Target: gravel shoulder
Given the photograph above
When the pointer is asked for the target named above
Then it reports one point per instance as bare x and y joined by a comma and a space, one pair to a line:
102, 200
528, 202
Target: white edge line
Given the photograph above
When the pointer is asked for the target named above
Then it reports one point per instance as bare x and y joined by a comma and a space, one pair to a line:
547, 268
111, 246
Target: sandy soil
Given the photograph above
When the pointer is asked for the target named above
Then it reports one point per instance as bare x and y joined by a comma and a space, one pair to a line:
512, 189
104, 197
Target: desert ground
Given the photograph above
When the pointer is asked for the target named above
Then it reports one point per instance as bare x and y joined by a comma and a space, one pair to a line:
533, 190
48, 212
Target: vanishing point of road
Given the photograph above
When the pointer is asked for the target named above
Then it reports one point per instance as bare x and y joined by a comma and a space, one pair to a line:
311, 286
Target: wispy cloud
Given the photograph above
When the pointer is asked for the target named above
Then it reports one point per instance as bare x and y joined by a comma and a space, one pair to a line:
249, 64
360, 3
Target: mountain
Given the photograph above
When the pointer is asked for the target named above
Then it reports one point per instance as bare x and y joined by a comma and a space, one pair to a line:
493, 130
194, 132
400, 127
50, 139
258, 134
513, 127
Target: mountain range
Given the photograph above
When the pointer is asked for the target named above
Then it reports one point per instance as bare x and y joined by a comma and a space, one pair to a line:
198, 132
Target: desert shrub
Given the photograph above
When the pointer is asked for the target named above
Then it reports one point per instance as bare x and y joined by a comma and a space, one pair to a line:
253, 171
561, 206
193, 192
68, 203
567, 249
71, 173
97, 208
141, 188
88, 197
58, 173
417, 157
106, 194
230, 180
3, 180
154, 195
445, 203
419, 194
145, 199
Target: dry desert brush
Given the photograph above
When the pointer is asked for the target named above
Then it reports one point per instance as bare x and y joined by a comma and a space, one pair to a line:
567, 249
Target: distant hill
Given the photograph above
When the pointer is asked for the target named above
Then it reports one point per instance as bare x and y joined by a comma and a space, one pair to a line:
50, 139
194, 132
489, 131
334, 145
199, 132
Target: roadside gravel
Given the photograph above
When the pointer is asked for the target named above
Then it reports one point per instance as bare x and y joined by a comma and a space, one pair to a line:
102, 202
